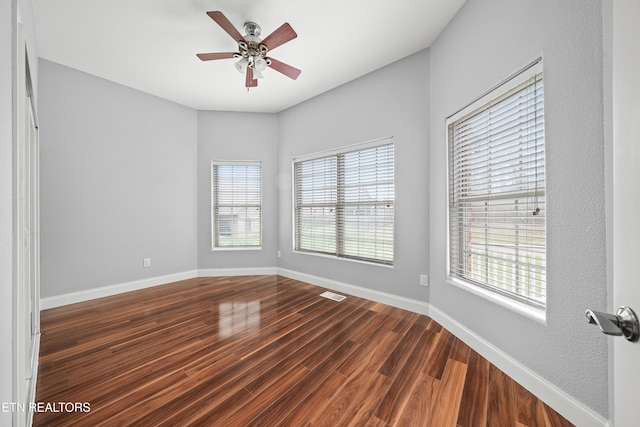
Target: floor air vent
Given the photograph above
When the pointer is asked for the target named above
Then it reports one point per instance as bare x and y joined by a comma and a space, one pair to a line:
332, 296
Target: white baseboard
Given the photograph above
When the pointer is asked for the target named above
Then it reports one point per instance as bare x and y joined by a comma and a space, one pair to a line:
358, 291
257, 271
81, 296
560, 401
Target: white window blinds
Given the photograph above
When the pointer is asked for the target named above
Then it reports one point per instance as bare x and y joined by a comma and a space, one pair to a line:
236, 206
497, 236
316, 199
344, 203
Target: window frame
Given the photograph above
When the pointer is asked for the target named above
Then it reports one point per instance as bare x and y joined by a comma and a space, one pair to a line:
339, 252
214, 225
535, 311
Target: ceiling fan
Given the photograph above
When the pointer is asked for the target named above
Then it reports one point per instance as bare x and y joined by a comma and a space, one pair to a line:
252, 55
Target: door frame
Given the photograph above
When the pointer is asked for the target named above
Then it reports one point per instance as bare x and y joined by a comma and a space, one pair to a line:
26, 233
621, 65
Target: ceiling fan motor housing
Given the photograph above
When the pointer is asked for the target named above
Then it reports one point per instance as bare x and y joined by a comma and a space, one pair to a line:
252, 29
251, 47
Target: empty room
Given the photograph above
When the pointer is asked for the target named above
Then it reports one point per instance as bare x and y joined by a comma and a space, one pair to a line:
280, 213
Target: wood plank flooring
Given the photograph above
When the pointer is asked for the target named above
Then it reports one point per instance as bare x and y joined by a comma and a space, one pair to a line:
265, 351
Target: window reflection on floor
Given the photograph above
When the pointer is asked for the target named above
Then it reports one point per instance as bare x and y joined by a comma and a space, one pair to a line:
238, 317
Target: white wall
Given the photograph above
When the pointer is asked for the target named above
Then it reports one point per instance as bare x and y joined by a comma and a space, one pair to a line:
6, 208
485, 43
237, 136
118, 183
392, 101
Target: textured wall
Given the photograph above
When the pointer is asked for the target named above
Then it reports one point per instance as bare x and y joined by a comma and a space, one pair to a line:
118, 183
485, 43
392, 101
237, 136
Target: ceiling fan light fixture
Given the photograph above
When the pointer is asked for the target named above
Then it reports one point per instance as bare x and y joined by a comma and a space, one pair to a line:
259, 65
241, 65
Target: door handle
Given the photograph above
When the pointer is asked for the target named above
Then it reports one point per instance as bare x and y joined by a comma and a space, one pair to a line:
624, 322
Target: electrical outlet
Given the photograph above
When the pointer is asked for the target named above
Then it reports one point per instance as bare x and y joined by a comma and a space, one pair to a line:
279, 254
146, 262
424, 280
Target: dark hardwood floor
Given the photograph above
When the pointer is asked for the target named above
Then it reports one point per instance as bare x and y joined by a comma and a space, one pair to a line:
265, 351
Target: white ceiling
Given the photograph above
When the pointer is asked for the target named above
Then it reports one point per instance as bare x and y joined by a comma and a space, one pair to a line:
151, 45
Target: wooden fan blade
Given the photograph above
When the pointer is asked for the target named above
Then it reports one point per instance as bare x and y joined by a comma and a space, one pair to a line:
250, 82
218, 55
280, 36
226, 25
285, 69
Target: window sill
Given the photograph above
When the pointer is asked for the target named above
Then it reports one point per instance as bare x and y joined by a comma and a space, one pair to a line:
231, 248
343, 258
525, 310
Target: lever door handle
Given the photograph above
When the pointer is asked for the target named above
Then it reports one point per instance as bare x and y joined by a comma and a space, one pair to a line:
624, 322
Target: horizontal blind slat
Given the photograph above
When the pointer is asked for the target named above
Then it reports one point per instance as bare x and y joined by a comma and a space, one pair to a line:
236, 204
344, 204
496, 195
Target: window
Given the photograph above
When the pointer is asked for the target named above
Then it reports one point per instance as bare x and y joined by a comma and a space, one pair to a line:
497, 236
236, 207
343, 202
